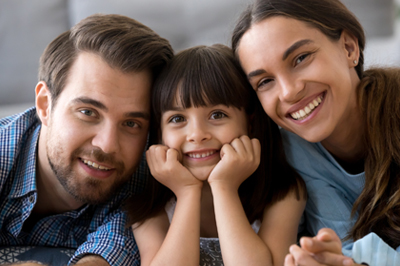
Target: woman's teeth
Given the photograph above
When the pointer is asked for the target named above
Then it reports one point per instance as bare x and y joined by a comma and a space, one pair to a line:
95, 165
200, 155
303, 113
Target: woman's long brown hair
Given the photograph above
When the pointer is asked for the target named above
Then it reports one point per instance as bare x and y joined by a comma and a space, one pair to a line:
378, 206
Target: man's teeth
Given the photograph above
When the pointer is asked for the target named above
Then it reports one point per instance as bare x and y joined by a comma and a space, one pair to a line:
95, 165
201, 155
303, 113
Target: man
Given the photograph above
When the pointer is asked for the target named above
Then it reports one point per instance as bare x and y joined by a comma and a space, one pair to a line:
66, 166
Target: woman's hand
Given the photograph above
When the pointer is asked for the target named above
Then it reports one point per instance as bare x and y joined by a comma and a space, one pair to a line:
323, 249
165, 166
239, 160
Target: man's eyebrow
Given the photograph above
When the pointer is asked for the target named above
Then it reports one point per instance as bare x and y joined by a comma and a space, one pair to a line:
90, 101
294, 47
144, 115
101, 106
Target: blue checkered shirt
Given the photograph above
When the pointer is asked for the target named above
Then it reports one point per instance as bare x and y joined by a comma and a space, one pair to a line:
92, 229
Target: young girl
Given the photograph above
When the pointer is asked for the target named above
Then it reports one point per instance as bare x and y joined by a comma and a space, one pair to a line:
340, 124
213, 134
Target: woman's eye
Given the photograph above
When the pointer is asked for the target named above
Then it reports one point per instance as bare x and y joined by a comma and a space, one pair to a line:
132, 124
87, 112
218, 115
263, 83
176, 119
301, 58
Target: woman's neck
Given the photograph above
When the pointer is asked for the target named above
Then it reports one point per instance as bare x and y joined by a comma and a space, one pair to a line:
346, 143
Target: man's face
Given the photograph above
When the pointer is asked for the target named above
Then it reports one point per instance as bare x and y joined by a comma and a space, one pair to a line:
98, 128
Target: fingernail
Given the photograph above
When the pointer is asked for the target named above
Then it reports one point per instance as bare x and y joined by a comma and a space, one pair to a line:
308, 242
348, 262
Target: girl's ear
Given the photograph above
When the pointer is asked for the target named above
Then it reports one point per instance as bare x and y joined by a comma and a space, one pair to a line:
43, 102
351, 48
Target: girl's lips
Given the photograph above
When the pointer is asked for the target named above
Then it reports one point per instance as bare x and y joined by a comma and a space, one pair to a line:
201, 154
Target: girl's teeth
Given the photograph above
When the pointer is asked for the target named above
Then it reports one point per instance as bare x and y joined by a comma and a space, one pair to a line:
202, 155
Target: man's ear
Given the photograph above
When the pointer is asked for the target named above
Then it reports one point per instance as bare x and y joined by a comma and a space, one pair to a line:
351, 48
43, 102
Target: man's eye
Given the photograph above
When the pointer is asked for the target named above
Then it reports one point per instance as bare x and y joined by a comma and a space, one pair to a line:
176, 119
218, 115
87, 112
132, 124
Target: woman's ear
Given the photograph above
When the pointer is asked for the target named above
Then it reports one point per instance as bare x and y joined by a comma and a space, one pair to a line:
43, 102
351, 48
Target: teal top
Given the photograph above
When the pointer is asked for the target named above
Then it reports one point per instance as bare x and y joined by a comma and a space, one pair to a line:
331, 195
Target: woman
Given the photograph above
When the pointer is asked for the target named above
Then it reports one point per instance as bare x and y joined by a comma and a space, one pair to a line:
340, 124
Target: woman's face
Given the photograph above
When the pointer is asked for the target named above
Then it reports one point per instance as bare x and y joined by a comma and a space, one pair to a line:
305, 81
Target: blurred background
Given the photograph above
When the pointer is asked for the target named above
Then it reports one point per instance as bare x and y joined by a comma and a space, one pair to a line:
27, 26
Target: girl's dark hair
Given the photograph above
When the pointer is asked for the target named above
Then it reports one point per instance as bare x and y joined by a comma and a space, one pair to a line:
210, 75
378, 206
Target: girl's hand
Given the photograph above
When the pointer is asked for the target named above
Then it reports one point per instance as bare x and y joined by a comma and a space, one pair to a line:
239, 160
323, 249
165, 166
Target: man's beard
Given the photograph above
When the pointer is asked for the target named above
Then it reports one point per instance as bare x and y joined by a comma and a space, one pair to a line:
87, 189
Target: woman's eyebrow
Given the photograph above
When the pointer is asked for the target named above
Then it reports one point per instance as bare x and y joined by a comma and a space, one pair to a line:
290, 50
294, 47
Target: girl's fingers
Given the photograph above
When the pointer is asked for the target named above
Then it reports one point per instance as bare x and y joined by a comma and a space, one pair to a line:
289, 260
333, 259
239, 145
313, 245
256, 148
172, 156
302, 257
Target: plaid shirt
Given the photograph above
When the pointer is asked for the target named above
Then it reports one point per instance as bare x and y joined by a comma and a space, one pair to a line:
92, 229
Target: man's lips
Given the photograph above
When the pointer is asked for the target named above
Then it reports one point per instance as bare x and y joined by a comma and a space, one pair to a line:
95, 165
95, 170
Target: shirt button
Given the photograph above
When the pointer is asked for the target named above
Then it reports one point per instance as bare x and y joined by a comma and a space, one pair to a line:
32, 199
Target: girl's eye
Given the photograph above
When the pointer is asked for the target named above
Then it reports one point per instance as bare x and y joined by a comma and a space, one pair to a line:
301, 58
87, 112
218, 115
131, 124
176, 119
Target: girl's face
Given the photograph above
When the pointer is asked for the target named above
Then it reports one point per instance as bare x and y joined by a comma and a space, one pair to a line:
198, 134
305, 81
